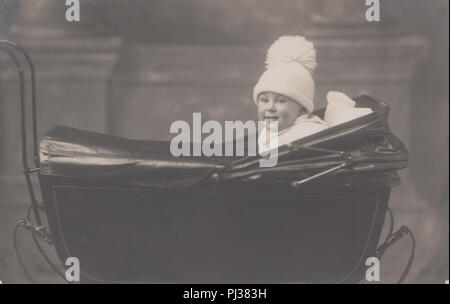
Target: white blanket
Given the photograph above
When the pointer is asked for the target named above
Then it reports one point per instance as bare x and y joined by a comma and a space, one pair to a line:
341, 109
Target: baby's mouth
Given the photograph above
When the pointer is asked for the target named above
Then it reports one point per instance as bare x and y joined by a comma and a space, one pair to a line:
270, 117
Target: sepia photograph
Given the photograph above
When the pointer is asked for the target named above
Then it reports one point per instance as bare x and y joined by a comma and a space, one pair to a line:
224, 142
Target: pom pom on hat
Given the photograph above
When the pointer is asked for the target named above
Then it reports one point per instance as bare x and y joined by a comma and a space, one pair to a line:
290, 63
292, 49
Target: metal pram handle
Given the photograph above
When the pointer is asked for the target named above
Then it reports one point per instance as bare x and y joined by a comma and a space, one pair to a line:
11, 48
37, 230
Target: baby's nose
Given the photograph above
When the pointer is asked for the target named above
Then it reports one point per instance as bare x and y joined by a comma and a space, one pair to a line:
271, 106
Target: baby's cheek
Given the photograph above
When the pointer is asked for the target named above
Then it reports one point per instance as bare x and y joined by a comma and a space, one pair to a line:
282, 123
284, 117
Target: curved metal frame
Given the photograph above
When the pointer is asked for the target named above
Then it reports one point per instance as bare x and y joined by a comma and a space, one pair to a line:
10, 48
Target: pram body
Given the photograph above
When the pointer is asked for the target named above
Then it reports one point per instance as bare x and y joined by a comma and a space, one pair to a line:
131, 212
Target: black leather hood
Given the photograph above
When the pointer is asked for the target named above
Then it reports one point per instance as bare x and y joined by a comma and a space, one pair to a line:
365, 144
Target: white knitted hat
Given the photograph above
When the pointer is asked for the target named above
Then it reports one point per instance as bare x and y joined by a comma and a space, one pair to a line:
290, 63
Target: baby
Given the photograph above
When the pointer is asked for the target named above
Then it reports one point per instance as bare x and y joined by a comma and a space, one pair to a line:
285, 93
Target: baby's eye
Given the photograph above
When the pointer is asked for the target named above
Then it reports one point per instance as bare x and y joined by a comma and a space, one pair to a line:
263, 99
282, 100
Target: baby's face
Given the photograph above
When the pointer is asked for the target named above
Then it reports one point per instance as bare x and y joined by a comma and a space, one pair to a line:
273, 106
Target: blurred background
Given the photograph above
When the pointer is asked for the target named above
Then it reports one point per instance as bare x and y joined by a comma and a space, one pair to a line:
132, 67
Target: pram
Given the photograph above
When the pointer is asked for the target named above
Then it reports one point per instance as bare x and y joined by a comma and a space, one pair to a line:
132, 212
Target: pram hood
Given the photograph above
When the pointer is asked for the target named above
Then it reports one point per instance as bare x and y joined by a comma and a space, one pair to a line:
364, 147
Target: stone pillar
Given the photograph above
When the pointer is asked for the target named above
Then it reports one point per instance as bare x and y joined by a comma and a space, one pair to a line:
375, 58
